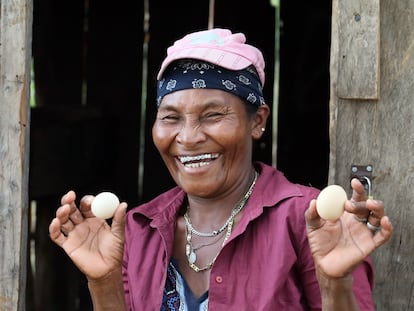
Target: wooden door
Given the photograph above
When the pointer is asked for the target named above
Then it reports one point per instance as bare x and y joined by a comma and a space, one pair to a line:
372, 123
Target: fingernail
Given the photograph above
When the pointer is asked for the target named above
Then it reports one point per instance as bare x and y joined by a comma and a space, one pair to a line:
88, 198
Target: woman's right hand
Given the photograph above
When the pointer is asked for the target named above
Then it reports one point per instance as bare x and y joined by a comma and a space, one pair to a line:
95, 247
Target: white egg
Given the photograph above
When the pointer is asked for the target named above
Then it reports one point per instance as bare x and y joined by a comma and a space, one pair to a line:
330, 202
104, 205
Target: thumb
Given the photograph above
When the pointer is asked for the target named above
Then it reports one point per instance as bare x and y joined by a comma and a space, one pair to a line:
313, 220
118, 221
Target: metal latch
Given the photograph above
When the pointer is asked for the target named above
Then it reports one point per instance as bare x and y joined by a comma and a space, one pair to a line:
364, 174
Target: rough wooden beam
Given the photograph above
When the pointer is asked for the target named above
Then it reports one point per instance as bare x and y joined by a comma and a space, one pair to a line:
15, 51
359, 37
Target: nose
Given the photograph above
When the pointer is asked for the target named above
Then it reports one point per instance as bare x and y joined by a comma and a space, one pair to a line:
191, 133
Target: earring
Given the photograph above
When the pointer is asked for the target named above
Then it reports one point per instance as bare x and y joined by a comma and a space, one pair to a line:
263, 129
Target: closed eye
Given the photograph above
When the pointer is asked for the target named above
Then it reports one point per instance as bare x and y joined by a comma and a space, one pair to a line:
212, 116
170, 118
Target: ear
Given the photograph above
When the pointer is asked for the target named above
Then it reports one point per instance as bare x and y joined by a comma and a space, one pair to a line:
259, 121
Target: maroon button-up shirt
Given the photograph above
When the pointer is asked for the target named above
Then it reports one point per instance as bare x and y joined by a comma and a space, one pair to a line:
265, 265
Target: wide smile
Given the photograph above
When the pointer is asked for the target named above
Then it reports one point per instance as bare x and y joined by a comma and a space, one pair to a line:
199, 160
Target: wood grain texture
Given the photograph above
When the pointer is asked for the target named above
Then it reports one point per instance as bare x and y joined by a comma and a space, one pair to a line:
359, 51
381, 132
15, 42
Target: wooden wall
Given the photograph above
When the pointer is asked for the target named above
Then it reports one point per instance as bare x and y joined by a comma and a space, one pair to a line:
85, 134
15, 51
372, 122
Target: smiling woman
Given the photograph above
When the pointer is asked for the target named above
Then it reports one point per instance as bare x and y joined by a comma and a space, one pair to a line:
234, 234
199, 124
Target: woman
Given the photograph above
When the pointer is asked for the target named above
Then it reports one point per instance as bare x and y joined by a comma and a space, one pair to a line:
234, 235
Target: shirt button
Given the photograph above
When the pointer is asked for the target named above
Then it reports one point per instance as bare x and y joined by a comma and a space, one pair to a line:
219, 279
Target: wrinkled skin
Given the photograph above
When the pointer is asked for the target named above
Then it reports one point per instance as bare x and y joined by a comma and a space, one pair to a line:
339, 246
94, 246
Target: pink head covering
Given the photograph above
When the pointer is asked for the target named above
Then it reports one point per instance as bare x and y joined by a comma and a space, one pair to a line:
218, 46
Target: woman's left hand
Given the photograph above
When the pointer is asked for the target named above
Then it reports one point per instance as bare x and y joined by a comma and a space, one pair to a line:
339, 246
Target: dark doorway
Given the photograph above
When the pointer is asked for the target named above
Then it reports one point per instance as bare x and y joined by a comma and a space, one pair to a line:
95, 84
303, 140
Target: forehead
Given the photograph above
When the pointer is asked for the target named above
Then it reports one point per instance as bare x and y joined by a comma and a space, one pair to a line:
200, 98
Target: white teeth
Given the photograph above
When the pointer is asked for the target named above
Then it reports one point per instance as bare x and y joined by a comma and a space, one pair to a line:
185, 159
198, 164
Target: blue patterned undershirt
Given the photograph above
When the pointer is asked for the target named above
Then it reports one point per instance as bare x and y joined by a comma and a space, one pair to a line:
178, 295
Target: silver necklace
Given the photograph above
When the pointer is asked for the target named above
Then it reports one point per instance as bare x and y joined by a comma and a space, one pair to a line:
200, 246
192, 257
233, 214
190, 250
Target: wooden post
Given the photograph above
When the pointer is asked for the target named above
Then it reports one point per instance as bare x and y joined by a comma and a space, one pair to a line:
15, 51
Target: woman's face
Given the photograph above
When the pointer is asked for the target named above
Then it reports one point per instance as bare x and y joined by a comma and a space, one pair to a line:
205, 139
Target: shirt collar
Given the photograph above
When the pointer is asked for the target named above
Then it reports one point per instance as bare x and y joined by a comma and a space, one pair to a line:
271, 188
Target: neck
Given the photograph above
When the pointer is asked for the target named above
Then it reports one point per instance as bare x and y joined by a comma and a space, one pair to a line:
209, 214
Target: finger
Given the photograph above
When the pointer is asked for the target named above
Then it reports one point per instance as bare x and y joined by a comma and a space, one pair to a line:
376, 209
385, 233
67, 227
358, 190
55, 233
75, 215
313, 220
118, 221
359, 209
68, 198
62, 213
68, 209
69, 216
85, 206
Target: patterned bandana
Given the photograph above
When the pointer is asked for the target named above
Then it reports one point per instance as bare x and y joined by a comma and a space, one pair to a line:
195, 74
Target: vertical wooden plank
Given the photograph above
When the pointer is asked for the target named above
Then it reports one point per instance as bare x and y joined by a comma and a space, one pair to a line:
15, 51
359, 31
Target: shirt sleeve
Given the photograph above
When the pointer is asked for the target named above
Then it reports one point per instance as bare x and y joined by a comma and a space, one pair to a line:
305, 265
125, 265
363, 285
307, 276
